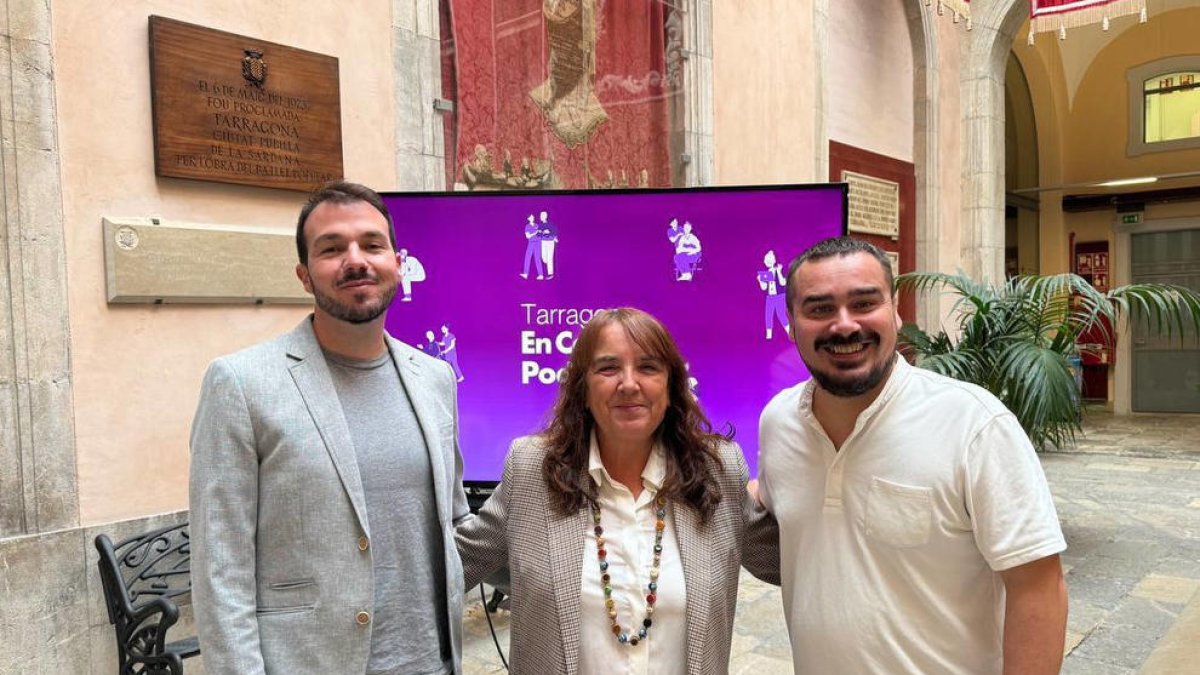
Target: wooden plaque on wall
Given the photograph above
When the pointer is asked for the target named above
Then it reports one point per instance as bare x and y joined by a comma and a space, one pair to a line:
234, 109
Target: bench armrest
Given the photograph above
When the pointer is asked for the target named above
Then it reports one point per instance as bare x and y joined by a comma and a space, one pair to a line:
146, 635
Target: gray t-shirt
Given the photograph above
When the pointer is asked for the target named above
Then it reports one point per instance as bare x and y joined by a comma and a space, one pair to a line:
410, 628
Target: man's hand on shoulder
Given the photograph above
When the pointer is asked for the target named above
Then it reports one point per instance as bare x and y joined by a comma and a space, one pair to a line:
752, 488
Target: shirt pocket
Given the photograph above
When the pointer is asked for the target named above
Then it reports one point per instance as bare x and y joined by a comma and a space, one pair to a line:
899, 515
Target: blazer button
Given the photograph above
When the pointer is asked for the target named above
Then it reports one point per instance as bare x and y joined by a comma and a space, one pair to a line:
363, 543
363, 618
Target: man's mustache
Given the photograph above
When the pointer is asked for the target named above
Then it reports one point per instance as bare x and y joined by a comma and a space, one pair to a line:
856, 337
356, 275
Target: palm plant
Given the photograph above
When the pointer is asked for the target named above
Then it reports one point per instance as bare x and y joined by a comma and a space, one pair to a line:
1015, 338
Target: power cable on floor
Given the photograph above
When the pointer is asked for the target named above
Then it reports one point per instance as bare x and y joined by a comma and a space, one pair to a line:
488, 616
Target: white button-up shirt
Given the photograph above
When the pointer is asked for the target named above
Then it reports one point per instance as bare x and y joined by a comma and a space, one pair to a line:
892, 546
629, 539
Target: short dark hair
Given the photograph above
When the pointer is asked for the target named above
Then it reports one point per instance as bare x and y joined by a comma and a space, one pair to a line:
840, 247
339, 192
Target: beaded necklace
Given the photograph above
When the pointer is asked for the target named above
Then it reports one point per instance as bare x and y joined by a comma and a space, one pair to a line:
621, 634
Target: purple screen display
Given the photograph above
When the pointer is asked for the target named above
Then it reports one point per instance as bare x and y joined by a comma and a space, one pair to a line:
501, 296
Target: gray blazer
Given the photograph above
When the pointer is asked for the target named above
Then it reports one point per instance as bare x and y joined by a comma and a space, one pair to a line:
543, 550
281, 559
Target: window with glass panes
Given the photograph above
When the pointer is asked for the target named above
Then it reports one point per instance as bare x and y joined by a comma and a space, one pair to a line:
1171, 107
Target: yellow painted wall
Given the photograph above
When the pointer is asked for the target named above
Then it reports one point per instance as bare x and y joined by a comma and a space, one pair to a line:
1099, 111
137, 369
763, 114
1044, 74
1085, 139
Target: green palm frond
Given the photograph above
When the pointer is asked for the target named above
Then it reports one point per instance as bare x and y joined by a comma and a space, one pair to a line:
1040, 391
1162, 307
922, 342
921, 282
960, 365
1015, 338
939, 353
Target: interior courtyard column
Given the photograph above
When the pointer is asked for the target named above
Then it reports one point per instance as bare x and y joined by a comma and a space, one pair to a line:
417, 69
38, 487
984, 58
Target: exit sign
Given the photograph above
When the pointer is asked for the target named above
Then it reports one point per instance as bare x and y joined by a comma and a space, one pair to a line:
1131, 218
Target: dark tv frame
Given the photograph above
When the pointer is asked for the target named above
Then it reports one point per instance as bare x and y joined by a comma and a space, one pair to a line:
479, 490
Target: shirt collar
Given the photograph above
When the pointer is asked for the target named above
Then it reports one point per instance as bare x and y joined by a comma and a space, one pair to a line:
652, 475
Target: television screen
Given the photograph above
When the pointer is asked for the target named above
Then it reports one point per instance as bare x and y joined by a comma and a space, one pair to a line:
499, 284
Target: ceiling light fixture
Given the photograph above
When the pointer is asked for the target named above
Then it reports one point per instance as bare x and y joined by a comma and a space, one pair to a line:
1128, 181
1114, 182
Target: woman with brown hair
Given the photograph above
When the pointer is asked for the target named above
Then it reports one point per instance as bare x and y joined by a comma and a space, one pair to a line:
623, 524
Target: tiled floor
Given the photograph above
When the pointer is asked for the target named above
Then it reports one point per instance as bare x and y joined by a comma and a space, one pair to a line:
1129, 498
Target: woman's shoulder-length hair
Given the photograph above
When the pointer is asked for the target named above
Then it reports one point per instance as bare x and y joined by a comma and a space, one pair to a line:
691, 447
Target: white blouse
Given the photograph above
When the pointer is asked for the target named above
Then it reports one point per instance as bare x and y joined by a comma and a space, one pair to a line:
629, 539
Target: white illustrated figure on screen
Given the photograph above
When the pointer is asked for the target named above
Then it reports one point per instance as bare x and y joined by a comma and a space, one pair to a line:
411, 271
533, 249
548, 235
687, 253
772, 281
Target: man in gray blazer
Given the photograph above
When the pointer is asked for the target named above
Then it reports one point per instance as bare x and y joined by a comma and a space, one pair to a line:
326, 477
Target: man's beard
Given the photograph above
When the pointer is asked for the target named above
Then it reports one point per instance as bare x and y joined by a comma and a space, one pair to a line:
356, 314
856, 386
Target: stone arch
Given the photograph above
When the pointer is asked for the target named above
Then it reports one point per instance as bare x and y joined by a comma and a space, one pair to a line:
926, 138
1050, 104
1021, 166
996, 25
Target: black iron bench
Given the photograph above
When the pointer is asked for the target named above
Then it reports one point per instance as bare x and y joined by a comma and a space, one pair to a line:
141, 576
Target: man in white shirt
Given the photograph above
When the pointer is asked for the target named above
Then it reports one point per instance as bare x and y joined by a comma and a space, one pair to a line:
917, 532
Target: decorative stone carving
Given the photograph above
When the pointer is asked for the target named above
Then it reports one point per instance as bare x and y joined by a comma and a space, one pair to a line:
126, 238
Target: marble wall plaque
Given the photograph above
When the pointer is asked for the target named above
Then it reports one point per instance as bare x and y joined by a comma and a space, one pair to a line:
152, 261
874, 204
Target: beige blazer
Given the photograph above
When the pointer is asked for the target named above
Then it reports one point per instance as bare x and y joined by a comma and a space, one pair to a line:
518, 529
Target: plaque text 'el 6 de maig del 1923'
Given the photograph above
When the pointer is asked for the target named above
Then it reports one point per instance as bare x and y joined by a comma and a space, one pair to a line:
234, 109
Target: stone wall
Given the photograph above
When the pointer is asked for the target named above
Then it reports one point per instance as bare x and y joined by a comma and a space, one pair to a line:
95, 399
420, 143
37, 444
53, 617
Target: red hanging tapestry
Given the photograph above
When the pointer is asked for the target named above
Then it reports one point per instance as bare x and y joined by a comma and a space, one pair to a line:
560, 93
1058, 15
